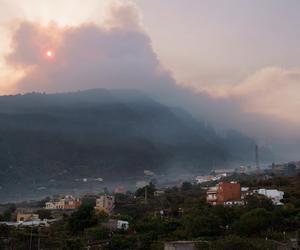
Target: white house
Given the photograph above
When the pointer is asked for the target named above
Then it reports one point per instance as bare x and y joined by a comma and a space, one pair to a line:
32, 223
114, 225
122, 224
275, 195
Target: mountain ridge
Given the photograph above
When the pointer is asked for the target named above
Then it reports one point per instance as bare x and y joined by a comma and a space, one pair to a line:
109, 133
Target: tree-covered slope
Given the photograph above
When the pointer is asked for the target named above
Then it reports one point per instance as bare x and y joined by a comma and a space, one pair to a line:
107, 133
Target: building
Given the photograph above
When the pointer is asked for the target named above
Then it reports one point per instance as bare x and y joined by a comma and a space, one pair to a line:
54, 204
66, 203
225, 193
159, 193
223, 172
31, 223
275, 195
245, 191
202, 179
180, 245
105, 203
120, 190
114, 225
212, 195
246, 169
27, 217
288, 169
35, 223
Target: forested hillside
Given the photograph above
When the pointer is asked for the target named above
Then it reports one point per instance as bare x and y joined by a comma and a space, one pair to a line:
107, 133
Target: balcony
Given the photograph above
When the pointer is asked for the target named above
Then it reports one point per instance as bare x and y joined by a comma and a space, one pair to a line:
211, 197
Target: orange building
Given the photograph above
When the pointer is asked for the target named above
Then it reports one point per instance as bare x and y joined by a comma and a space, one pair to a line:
27, 217
225, 193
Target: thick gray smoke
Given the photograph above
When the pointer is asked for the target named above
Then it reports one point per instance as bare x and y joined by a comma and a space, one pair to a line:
120, 55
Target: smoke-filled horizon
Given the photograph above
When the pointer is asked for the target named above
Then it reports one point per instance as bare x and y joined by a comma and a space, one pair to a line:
119, 52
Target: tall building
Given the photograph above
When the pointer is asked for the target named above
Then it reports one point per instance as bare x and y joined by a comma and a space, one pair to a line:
225, 193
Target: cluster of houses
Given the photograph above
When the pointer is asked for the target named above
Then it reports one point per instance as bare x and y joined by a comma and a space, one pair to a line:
215, 175
67, 204
206, 178
103, 203
231, 193
223, 193
27, 218
218, 174
287, 169
284, 169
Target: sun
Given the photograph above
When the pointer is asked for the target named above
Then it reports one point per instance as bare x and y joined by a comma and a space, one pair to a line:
49, 53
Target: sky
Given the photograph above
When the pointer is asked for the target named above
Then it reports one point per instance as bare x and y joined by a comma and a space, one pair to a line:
234, 63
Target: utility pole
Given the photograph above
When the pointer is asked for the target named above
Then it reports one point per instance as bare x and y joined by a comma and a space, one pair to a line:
30, 243
257, 160
39, 238
146, 195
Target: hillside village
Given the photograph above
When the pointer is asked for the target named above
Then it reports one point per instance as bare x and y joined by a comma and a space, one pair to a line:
272, 192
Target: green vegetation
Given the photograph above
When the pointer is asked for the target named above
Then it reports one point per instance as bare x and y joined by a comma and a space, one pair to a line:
178, 214
8, 213
83, 218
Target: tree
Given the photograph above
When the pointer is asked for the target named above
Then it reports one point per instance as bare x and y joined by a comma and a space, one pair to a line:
232, 242
98, 233
87, 200
186, 186
7, 215
83, 218
253, 222
258, 201
120, 242
150, 190
102, 216
202, 225
121, 197
73, 244
227, 215
44, 214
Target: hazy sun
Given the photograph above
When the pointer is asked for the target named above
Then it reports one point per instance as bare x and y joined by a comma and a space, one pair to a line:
49, 53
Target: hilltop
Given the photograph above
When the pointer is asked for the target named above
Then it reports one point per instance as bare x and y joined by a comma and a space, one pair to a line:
113, 134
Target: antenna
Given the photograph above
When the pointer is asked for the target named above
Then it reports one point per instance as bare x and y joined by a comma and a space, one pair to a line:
257, 160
